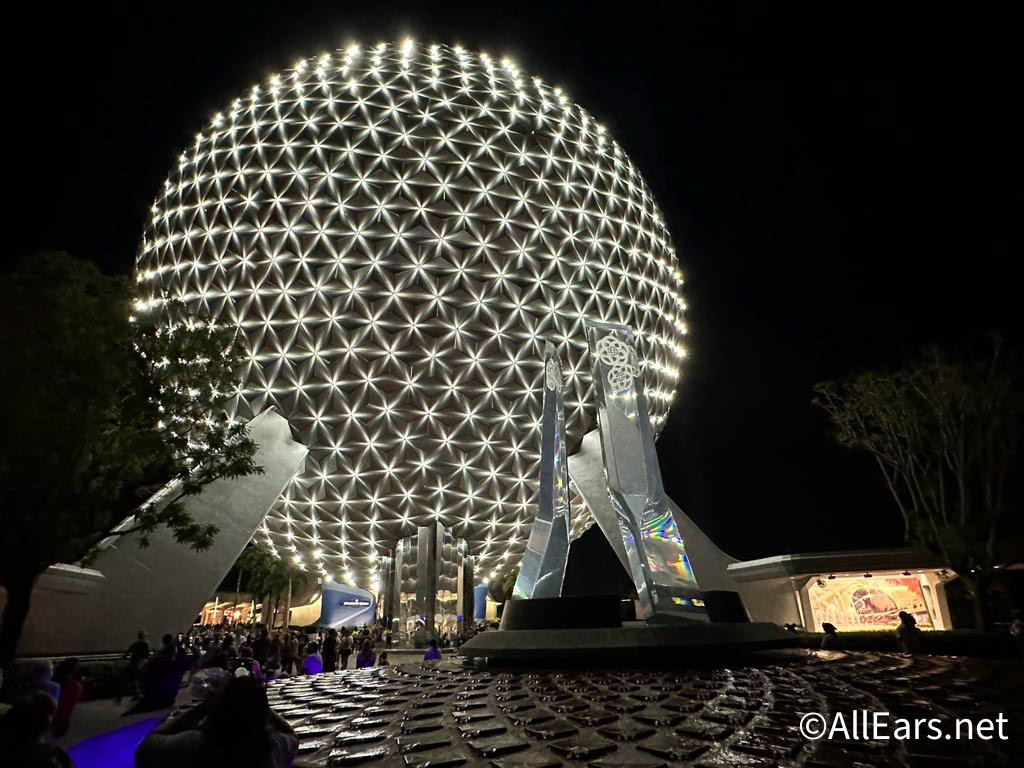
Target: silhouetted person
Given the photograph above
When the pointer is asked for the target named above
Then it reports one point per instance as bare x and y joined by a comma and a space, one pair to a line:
382, 660
313, 662
908, 634
366, 657
289, 653
344, 648
831, 639
246, 661
330, 651
168, 647
236, 728
261, 647
39, 677
71, 692
137, 653
22, 732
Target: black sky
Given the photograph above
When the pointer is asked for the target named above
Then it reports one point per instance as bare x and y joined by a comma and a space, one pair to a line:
843, 185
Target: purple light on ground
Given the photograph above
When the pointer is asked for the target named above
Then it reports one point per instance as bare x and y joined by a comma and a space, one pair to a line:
113, 749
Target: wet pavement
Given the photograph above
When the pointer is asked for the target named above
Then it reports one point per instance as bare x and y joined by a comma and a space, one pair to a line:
738, 716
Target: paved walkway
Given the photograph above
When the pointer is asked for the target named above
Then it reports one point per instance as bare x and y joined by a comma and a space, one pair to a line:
92, 718
99, 716
745, 716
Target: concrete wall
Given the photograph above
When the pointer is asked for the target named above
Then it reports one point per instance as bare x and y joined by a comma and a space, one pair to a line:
777, 600
161, 588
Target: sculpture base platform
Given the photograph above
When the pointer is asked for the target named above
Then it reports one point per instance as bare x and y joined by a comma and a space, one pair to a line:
588, 631
631, 644
587, 612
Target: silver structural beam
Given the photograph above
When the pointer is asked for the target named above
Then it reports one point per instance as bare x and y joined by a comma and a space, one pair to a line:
542, 569
657, 559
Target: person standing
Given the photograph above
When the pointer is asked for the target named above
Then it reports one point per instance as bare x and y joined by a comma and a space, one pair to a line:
330, 650
344, 648
261, 646
137, 653
289, 652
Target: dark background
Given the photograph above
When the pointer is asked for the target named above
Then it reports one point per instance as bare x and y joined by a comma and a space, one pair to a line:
842, 184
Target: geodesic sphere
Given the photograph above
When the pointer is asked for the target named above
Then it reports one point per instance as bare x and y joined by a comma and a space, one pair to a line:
397, 231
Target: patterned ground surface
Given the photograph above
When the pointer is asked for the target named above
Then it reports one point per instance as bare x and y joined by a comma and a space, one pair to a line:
747, 715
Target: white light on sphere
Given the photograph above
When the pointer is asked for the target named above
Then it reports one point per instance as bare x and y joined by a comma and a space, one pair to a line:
397, 230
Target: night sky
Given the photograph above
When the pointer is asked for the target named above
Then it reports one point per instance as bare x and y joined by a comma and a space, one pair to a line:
843, 187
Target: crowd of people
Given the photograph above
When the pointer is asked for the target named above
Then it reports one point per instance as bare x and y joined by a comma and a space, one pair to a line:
41, 712
226, 668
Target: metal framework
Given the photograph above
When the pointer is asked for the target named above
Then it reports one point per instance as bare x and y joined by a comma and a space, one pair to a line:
397, 231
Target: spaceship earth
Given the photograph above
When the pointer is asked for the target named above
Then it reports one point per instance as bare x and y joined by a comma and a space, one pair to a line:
396, 231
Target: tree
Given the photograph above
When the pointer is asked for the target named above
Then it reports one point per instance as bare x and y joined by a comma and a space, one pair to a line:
500, 589
944, 434
104, 405
271, 577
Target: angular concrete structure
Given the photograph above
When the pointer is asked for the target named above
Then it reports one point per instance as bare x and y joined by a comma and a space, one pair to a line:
163, 587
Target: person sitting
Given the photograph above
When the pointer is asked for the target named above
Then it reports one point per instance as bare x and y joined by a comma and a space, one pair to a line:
908, 634
831, 639
382, 660
432, 653
71, 691
313, 663
366, 657
39, 677
235, 728
23, 731
246, 661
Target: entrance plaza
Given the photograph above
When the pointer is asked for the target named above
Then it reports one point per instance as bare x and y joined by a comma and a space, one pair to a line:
390, 452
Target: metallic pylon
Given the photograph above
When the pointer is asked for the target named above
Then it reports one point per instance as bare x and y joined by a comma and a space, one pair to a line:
656, 553
543, 565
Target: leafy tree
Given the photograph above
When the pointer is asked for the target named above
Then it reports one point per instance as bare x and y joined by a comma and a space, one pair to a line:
944, 434
500, 589
269, 577
104, 406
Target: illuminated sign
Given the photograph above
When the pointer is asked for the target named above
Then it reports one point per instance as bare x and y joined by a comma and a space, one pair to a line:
355, 603
868, 602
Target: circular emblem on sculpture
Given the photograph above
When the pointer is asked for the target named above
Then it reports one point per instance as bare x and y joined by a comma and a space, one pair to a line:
396, 230
553, 376
621, 361
613, 351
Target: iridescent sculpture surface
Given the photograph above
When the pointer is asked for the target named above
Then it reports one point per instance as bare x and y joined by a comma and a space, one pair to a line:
543, 565
655, 551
